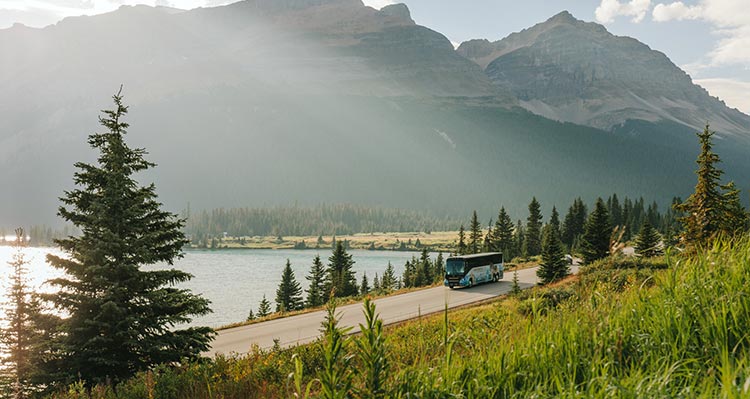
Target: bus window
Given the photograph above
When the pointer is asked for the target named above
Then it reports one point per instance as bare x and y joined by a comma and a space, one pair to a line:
454, 267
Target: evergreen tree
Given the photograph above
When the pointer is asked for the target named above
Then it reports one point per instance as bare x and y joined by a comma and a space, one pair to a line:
364, 288
519, 238
122, 319
597, 234
704, 209
425, 266
515, 289
289, 293
409, 277
554, 266
735, 218
264, 308
532, 243
388, 282
250, 316
503, 234
438, 272
341, 277
461, 248
647, 242
475, 234
376, 284
573, 224
27, 329
615, 211
554, 220
316, 292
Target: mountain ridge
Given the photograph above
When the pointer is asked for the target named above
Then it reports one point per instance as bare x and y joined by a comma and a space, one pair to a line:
575, 71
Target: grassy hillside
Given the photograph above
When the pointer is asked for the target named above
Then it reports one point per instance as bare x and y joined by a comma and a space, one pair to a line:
623, 328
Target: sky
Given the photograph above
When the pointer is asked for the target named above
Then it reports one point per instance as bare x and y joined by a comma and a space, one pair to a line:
709, 39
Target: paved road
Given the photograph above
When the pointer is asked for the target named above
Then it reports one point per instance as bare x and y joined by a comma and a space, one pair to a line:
305, 328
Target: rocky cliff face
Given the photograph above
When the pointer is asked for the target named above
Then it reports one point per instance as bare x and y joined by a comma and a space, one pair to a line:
569, 70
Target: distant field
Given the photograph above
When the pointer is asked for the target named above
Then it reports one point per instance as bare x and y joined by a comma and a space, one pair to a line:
436, 241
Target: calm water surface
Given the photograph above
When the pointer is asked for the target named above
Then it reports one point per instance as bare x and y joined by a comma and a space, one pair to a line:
233, 280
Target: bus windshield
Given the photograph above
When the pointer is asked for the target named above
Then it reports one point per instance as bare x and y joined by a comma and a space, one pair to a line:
454, 267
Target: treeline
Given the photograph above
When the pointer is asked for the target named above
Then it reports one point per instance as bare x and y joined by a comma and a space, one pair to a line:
336, 279
324, 219
523, 238
39, 236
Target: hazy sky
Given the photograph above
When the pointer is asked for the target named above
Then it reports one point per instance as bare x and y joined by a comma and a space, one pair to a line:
710, 39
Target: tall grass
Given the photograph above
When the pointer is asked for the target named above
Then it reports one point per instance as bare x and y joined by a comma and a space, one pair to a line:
673, 328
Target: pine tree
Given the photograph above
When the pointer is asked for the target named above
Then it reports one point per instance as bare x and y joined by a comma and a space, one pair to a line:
647, 242
289, 293
341, 277
364, 288
388, 282
554, 220
554, 266
250, 316
515, 289
27, 329
425, 266
597, 234
409, 277
475, 234
704, 209
438, 272
487, 245
574, 223
735, 218
122, 319
461, 248
532, 243
264, 308
503, 234
376, 284
615, 211
519, 238
316, 292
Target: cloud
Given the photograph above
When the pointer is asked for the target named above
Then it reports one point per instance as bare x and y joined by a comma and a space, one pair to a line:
730, 19
609, 9
733, 92
676, 11
378, 4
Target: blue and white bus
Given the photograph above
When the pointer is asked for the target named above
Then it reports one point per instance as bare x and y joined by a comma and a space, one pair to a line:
469, 270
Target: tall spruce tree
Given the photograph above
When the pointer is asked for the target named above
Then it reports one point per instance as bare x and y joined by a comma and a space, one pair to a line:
341, 278
503, 234
122, 319
647, 242
461, 247
704, 209
289, 292
533, 243
316, 291
554, 266
597, 234
475, 234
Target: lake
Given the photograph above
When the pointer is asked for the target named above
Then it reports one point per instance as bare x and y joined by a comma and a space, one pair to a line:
233, 280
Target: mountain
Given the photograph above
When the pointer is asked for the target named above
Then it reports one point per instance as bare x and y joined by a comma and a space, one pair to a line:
575, 71
266, 102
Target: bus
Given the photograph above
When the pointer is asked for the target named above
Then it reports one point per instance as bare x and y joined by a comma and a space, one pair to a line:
469, 270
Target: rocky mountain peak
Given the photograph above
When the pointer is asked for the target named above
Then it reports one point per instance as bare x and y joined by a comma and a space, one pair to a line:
575, 71
398, 11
